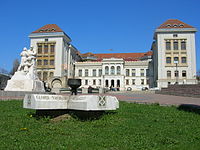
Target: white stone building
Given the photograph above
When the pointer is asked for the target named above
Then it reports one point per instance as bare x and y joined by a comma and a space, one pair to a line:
121, 71
55, 55
174, 54
171, 60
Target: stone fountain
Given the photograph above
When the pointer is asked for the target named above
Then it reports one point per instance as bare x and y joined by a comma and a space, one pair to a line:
73, 101
74, 84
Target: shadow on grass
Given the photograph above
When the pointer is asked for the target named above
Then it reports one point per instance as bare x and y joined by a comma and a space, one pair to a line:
76, 114
190, 108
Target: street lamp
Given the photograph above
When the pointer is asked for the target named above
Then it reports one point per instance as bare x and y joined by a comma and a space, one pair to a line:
176, 62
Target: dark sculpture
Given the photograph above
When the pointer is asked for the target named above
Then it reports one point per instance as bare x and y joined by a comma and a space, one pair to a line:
74, 84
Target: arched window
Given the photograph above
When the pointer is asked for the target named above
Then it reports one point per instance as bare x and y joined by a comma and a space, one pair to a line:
112, 70
184, 74
45, 74
106, 70
106, 83
168, 73
39, 75
118, 70
176, 73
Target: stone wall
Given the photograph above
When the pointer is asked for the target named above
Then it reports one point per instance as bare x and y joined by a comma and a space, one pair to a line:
192, 90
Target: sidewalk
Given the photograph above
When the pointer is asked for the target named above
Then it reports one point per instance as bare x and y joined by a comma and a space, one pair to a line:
156, 98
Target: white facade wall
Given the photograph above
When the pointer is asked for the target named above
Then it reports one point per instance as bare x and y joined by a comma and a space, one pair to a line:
160, 59
116, 80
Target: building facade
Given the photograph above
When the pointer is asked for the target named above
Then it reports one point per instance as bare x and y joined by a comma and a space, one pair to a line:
55, 55
174, 54
172, 60
128, 71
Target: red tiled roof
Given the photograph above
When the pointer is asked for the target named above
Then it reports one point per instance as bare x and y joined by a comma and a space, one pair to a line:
48, 28
125, 56
174, 23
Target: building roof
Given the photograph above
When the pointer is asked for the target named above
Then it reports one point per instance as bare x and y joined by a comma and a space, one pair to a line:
48, 28
125, 56
174, 23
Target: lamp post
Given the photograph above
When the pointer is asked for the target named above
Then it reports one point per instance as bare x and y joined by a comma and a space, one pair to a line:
176, 62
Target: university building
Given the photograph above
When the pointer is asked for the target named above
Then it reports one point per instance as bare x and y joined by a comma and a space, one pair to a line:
171, 60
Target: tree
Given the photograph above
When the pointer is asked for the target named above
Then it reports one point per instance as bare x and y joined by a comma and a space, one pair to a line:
4, 71
15, 66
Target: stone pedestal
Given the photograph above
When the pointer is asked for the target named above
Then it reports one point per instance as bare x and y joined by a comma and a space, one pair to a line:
82, 102
22, 82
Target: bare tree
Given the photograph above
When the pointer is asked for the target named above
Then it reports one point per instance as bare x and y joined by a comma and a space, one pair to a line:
15, 66
4, 71
198, 75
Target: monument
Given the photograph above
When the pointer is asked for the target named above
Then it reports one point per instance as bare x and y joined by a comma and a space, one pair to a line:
73, 101
25, 78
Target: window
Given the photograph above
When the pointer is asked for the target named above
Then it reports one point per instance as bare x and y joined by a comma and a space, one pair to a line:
176, 73
133, 81
127, 72
80, 72
106, 83
86, 82
176, 60
45, 49
86, 72
94, 82
168, 60
168, 45
184, 73
175, 45
118, 70
148, 82
99, 81
106, 70
133, 72
127, 82
112, 70
147, 72
168, 73
183, 45
183, 60
39, 75
142, 81
52, 48
100, 72
118, 83
52, 62
39, 62
175, 35
142, 72
94, 72
51, 74
39, 49
46, 40
45, 76
45, 62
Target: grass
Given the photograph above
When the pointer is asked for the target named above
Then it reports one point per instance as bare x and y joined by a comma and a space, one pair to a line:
133, 126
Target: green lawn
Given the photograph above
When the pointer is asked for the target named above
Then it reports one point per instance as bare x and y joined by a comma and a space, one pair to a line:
133, 126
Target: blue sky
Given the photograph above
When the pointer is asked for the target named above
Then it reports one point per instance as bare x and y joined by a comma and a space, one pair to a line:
93, 25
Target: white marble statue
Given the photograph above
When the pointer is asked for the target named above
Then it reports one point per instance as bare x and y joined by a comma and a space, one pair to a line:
25, 79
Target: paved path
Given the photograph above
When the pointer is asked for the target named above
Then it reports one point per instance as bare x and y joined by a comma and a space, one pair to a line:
143, 98
155, 98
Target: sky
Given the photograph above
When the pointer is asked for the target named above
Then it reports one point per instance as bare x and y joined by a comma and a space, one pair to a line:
97, 26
